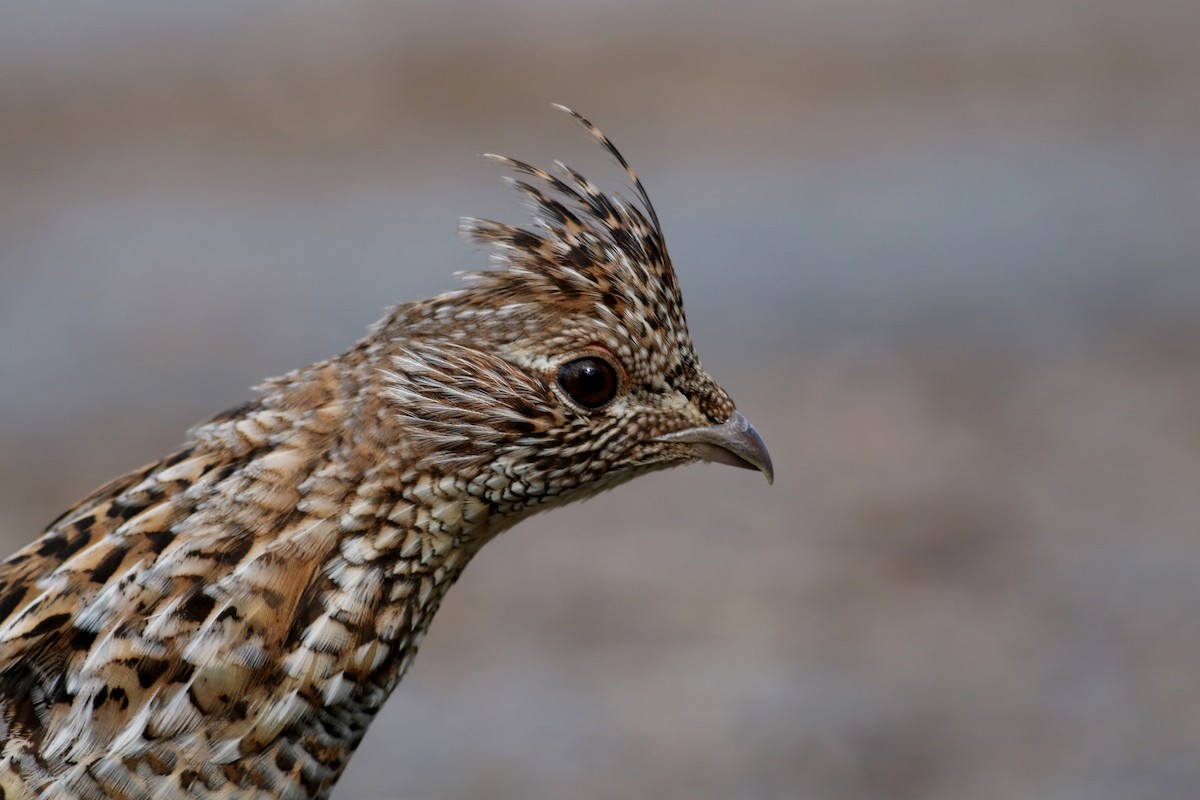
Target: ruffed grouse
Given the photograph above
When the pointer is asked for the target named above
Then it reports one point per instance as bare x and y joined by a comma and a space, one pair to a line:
228, 620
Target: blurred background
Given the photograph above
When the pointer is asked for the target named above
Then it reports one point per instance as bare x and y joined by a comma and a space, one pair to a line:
944, 253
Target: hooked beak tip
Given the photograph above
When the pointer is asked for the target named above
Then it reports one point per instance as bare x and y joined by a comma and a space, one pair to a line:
734, 442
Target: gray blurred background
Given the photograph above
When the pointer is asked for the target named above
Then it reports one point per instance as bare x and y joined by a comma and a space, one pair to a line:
944, 253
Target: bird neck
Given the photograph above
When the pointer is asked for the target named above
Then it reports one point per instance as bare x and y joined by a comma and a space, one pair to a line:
378, 532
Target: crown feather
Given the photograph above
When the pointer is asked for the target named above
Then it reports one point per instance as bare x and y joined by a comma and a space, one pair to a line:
582, 242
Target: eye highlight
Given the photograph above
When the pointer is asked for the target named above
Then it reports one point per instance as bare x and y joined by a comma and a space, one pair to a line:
590, 381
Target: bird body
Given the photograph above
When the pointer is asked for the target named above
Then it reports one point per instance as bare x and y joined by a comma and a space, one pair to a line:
228, 620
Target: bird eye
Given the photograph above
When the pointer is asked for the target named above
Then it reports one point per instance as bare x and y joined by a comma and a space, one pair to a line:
590, 381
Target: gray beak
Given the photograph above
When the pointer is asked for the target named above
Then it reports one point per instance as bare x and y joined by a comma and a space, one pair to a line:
735, 442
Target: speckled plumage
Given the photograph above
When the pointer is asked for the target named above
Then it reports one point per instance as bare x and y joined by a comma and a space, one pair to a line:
228, 620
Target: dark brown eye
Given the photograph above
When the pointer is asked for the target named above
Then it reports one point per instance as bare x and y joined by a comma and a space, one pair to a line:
590, 381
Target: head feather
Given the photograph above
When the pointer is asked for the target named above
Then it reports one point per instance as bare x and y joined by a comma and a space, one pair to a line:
583, 243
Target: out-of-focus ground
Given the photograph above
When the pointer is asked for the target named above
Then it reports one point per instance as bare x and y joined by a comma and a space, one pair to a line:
944, 253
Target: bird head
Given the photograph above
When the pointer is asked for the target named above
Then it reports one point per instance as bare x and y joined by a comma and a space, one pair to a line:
568, 368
